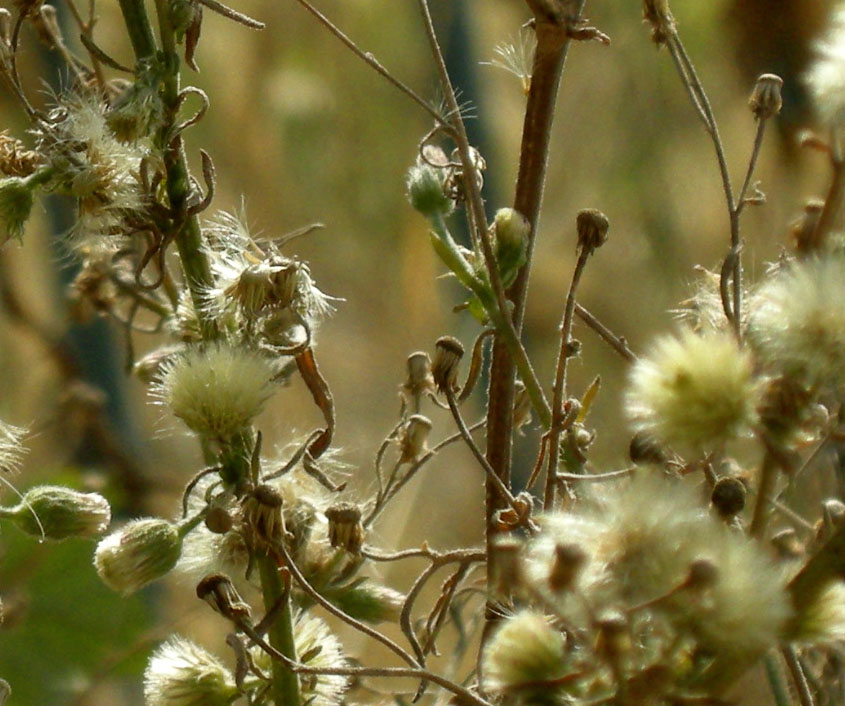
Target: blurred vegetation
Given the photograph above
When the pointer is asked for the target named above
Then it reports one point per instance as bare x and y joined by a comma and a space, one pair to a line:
301, 132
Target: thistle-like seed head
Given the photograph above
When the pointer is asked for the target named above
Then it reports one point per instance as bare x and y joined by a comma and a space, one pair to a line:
181, 673
693, 391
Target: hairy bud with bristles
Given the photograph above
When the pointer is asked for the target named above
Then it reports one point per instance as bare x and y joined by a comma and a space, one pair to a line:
139, 553
216, 389
766, 101
181, 673
426, 190
220, 593
413, 438
693, 391
523, 656
447, 356
511, 231
56, 512
345, 528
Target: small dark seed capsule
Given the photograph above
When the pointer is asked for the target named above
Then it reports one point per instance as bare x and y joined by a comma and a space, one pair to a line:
728, 496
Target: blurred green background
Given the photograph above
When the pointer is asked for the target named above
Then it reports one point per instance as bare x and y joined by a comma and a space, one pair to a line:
301, 131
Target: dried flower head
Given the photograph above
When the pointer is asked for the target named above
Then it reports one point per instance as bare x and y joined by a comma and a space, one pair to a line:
345, 527
824, 620
216, 389
181, 673
141, 552
766, 101
592, 226
413, 437
797, 326
447, 356
56, 512
693, 390
220, 593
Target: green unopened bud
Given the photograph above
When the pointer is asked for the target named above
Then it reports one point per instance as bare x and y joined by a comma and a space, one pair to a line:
55, 512
368, 602
426, 193
16, 198
143, 551
511, 229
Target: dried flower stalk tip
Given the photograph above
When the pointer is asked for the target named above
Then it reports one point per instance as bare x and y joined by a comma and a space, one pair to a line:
55, 512
220, 593
657, 14
592, 226
345, 528
728, 497
414, 436
766, 100
645, 449
419, 380
181, 673
448, 353
567, 563
143, 551
263, 513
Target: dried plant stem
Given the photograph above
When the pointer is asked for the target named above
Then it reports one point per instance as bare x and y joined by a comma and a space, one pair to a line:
285, 685
741, 199
315, 595
698, 96
559, 389
619, 344
467, 437
802, 687
768, 477
774, 675
549, 58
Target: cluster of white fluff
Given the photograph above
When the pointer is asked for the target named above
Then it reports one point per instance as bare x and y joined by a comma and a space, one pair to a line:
676, 581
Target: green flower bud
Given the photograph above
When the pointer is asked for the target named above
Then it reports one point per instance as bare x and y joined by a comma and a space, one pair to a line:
15, 206
143, 551
55, 512
426, 193
368, 602
512, 229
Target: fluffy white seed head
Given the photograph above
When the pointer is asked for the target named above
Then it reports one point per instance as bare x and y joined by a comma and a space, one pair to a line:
181, 673
693, 390
139, 553
645, 540
216, 389
12, 450
824, 621
525, 652
826, 77
797, 325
